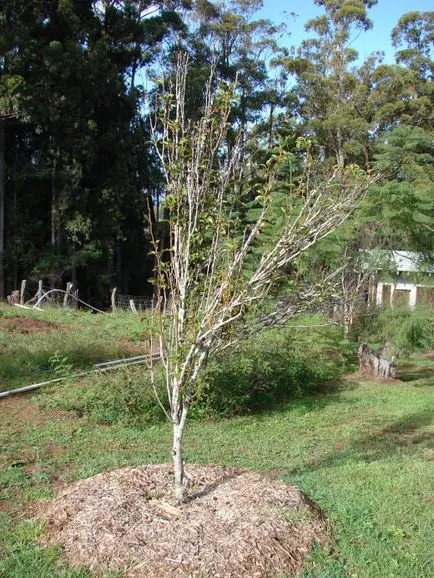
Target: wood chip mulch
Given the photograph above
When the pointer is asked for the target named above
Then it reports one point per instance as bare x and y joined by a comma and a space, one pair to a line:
234, 523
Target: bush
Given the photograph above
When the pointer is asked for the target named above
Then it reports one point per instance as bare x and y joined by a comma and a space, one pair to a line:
262, 373
124, 396
408, 330
270, 370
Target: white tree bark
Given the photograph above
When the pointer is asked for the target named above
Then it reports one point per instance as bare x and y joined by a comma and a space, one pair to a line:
204, 276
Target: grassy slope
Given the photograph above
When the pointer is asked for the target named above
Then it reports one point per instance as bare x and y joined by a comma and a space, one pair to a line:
84, 338
362, 452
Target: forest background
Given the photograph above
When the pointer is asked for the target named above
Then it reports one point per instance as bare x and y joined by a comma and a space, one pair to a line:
81, 188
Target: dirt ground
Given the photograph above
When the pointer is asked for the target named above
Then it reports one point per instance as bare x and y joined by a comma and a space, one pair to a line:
22, 410
27, 326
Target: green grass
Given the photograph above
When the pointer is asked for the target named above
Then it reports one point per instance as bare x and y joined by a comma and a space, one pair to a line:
81, 337
363, 452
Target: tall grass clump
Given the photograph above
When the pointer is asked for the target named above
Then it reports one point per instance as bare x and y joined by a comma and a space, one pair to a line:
409, 330
124, 396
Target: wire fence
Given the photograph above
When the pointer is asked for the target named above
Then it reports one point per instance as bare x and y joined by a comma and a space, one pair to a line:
131, 302
33, 294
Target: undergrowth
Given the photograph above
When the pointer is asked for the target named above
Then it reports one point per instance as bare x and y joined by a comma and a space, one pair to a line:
78, 337
409, 330
361, 451
263, 373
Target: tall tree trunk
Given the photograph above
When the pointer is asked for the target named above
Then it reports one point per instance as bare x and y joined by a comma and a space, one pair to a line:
346, 324
270, 126
118, 267
54, 220
53, 206
2, 209
74, 276
340, 157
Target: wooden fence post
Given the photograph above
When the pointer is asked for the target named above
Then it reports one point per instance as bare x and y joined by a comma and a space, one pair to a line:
113, 299
66, 296
23, 290
133, 307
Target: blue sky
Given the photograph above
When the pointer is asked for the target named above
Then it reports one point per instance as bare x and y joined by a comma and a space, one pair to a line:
385, 15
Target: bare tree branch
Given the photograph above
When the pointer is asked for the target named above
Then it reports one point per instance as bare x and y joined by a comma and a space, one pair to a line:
205, 281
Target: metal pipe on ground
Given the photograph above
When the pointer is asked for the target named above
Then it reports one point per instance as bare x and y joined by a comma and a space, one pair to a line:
122, 360
32, 387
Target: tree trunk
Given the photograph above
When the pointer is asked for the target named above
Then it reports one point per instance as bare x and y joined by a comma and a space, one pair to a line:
118, 267
379, 363
54, 222
2, 209
178, 462
53, 207
340, 157
345, 314
270, 126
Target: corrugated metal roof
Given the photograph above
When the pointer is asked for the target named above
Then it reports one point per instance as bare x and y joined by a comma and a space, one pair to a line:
409, 262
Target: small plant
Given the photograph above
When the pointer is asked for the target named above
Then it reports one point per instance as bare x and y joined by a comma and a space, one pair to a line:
60, 364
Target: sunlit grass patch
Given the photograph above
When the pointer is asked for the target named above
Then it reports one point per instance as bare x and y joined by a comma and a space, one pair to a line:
29, 339
362, 451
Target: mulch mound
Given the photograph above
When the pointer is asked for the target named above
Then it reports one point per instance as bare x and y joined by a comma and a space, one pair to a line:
234, 523
29, 326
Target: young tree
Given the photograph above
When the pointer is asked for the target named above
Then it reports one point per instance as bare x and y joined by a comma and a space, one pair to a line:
205, 281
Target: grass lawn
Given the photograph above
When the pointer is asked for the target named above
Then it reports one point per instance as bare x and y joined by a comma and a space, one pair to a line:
33, 343
361, 451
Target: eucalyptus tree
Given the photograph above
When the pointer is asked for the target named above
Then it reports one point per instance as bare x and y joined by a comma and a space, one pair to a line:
229, 34
326, 82
414, 36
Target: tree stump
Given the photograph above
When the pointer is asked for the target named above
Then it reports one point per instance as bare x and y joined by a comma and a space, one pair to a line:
14, 297
376, 363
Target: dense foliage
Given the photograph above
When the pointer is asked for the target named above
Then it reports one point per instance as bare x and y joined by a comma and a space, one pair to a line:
268, 372
80, 187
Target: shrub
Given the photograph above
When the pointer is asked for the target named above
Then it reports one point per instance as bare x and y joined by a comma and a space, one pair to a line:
409, 330
262, 373
124, 396
269, 370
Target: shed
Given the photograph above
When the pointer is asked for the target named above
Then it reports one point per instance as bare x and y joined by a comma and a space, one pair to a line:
411, 281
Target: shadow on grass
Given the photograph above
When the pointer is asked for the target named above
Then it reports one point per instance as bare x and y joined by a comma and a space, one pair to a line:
403, 437
427, 374
413, 373
316, 399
